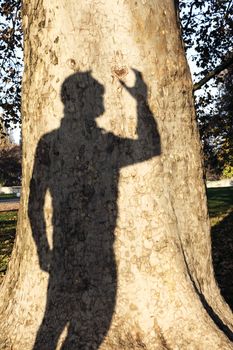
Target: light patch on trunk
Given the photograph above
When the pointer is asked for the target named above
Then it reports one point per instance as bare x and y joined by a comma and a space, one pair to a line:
62, 337
48, 215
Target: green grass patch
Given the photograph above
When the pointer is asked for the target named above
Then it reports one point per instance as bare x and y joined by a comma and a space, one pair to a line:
220, 204
220, 201
8, 195
8, 221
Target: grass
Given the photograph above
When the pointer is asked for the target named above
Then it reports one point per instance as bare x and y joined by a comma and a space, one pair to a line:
220, 203
6, 196
8, 222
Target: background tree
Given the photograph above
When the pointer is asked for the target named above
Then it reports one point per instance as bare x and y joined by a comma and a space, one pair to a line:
207, 28
10, 165
207, 32
11, 42
225, 112
10, 159
161, 287
215, 124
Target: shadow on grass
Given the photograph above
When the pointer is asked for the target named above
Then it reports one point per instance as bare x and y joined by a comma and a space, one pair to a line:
222, 253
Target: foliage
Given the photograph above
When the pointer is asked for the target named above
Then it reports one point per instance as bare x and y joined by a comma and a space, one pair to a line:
10, 165
207, 28
225, 111
11, 46
217, 128
228, 172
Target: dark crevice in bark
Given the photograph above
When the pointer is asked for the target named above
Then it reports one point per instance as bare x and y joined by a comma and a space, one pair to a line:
219, 323
217, 320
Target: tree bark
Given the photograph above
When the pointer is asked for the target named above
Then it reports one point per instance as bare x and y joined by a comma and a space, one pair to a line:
113, 243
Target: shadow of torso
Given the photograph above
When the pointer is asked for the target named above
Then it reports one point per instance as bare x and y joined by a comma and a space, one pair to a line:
82, 179
83, 187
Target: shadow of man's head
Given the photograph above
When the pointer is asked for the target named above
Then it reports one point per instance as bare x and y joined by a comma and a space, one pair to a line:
82, 95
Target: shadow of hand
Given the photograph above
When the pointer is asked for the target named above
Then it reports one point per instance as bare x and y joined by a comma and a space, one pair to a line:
139, 90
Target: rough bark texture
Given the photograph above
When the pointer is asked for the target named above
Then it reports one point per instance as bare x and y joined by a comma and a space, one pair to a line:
113, 242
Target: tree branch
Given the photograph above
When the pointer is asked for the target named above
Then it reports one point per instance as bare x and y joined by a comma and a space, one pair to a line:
190, 15
213, 73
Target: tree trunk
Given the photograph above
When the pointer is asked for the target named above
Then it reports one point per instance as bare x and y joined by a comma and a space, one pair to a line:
113, 242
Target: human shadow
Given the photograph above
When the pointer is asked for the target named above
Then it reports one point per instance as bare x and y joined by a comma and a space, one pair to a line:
79, 164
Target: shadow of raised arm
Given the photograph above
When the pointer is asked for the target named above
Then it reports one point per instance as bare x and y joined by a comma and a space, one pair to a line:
148, 143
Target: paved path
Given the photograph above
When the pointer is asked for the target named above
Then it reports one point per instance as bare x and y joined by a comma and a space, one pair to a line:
9, 204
